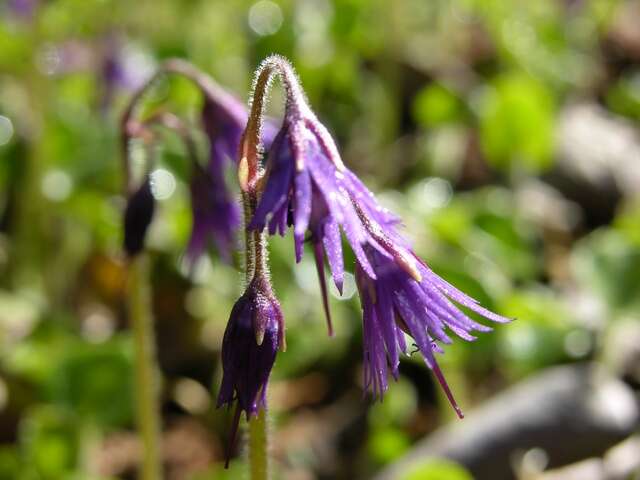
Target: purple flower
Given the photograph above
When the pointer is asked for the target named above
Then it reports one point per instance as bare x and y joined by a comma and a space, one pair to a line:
254, 334
215, 209
215, 214
308, 187
400, 293
23, 9
396, 303
122, 66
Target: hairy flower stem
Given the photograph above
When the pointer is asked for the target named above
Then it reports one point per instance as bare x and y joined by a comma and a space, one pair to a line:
256, 255
258, 442
256, 264
273, 66
146, 374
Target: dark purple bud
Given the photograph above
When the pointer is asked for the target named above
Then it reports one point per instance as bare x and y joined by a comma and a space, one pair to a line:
254, 334
137, 218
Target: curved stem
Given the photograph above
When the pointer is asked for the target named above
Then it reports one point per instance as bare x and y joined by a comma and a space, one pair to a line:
256, 264
296, 106
130, 127
258, 444
175, 124
146, 375
248, 205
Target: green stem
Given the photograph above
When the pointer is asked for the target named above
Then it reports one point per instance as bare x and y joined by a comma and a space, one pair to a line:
258, 442
146, 373
256, 264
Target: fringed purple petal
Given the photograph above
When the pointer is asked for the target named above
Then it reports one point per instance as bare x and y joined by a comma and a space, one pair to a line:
317, 250
375, 360
333, 248
363, 196
459, 297
302, 202
278, 184
298, 244
216, 216
390, 331
416, 300
278, 222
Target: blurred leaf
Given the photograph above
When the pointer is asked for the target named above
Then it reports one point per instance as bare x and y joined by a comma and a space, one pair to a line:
628, 222
397, 407
10, 467
535, 338
453, 222
49, 442
624, 96
608, 263
436, 105
437, 469
96, 382
387, 444
517, 123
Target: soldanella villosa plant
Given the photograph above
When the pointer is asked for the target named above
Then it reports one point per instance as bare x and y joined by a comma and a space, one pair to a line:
290, 178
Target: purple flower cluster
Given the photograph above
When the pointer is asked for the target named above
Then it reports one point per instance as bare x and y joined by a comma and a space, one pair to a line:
309, 188
301, 183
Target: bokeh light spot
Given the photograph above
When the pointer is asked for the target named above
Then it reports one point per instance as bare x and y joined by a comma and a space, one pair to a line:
163, 184
6, 130
56, 185
577, 343
265, 18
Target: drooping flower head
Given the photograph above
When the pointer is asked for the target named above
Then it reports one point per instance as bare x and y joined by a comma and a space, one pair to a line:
215, 208
395, 304
254, 334
308, 187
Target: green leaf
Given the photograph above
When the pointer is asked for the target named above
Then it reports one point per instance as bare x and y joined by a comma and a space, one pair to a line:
95, 381
436, 105
437, 469
49, 441
517, 123
608, 263
387, 444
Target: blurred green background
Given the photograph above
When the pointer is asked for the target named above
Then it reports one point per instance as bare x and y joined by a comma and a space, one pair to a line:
504, 133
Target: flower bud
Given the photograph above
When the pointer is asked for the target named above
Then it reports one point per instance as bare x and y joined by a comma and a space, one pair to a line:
137, 218
251, 340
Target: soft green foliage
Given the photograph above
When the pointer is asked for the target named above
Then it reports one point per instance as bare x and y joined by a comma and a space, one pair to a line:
517, 118
437, 470
451, 110
436, 105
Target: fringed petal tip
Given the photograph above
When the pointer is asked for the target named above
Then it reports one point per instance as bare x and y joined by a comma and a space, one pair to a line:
447, 391
317, 250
